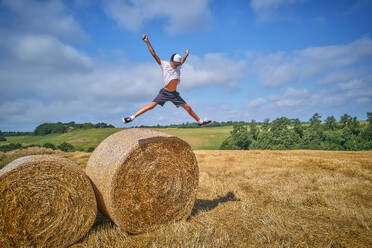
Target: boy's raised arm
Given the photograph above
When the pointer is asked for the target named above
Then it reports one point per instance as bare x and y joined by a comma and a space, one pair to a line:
146, 39
184, 57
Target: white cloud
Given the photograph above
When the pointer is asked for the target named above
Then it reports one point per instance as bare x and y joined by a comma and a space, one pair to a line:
283, 67
257, 102
212, 69
266, 10
294, 102
181, 16
43, 17
47, 51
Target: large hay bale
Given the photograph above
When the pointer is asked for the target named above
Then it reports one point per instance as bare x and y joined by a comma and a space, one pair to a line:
45, 201
144, 179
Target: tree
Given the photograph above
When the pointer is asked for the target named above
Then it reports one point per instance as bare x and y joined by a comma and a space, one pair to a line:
297, 127
87, 125
344, 120
10, 147
228, 144
50, 146
353, 124
266, 124
66, 147
280, 136
48, 128
253, 130
369, 118
330, 123
239, 138
2, 138
315, 121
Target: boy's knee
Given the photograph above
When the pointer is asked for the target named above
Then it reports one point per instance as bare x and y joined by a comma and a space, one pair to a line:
187, 107
152, 105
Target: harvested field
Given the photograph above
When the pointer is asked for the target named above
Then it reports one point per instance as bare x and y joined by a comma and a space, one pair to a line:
267, 199
264, 199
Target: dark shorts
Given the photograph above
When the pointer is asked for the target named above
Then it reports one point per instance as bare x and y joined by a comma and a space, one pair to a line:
165, 96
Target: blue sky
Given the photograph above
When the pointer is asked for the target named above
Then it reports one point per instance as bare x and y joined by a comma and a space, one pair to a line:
84, 60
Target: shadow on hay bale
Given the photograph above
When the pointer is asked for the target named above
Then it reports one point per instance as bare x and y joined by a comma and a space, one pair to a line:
144, 179
45, 201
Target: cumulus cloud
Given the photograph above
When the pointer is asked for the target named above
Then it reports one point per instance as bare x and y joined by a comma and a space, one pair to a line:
294, 102
212, 69
266, 10
257, 102
181, 16
298, 66
42, 17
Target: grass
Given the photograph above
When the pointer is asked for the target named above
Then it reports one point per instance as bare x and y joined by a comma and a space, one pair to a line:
257, 198
209, 138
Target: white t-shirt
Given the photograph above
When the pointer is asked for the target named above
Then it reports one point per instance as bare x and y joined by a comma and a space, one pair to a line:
169, 73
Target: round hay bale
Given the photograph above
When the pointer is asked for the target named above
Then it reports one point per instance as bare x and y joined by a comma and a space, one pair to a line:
143, 179
45, 201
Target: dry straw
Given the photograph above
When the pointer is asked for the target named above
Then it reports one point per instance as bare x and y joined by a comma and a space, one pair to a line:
45, 201
144, 179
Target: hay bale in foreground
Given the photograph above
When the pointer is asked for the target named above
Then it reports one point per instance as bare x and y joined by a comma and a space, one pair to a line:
144, 179
45, 201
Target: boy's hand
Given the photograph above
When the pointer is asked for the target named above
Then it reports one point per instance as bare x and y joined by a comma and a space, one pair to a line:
145, 38
187, 52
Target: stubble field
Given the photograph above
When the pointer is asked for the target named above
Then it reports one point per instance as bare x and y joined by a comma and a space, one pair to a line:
266, 199
260, 199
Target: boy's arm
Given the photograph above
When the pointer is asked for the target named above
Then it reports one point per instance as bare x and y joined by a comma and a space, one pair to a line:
146, 39
184, 57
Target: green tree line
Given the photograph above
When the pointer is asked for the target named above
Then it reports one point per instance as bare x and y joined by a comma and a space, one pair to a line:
287, 134
66, 147
59, 127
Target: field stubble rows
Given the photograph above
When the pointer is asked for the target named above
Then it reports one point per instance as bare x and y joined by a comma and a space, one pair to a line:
265, 199
259, 199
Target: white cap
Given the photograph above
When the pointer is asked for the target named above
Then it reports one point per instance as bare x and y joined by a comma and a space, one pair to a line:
177, 58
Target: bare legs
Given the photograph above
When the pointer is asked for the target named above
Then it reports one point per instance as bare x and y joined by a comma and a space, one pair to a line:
191, 112
153, 105
145, 109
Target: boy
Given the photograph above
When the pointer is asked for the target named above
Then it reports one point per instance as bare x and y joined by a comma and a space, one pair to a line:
171, 77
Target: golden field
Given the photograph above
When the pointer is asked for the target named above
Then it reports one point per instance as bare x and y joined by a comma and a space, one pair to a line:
264, 199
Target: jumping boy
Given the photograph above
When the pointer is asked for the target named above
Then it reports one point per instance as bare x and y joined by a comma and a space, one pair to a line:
171, 77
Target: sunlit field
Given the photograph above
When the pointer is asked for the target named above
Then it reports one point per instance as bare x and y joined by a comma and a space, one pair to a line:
264, 199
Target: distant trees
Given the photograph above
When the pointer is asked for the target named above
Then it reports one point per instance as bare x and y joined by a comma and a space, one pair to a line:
284, 133
330, 123
59, 127
103, 125
66, 147
50, 146
2, 138
240, 139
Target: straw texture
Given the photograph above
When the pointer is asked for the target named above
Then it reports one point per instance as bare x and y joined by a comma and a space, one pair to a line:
144, 179
45, 201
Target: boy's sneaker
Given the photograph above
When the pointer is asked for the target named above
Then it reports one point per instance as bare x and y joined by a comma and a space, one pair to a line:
126, 120
204, 123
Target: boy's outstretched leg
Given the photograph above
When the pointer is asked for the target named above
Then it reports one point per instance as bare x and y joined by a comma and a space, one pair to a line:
194, 115
139, 112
